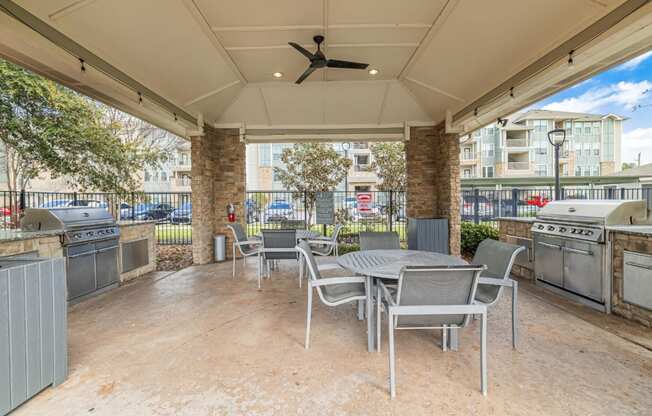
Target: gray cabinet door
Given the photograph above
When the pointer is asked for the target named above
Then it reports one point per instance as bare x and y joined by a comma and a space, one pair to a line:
549, 259
107, 266
81, 274
583, 269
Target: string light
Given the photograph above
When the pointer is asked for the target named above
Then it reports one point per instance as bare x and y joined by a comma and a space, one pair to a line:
511, 93
175, 117
140, 98
83, 68
570, 58
475, 112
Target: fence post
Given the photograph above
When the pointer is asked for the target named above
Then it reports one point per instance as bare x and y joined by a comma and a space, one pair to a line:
515, 202
133, 206
391, 210
305, 209
476, 206
22, 200
622, 193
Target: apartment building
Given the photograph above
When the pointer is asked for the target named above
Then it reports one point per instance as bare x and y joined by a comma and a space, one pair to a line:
173, 175
262, 158
521, 147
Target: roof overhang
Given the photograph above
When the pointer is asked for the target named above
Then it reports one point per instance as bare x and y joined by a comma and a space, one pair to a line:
196, 61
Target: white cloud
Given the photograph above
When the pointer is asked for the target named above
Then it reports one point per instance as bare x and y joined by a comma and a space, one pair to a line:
625, 94
635, 142
633, 63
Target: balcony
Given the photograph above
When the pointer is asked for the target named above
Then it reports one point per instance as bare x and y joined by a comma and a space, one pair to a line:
518, 165
362, 168
516, 143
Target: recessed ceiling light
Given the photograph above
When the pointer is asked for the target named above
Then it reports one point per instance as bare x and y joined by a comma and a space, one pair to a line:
373, 71
277, 75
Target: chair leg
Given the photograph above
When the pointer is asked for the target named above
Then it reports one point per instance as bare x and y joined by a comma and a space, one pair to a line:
514, 314
308, 316
392, 360
233, 277
378, 319
361, 310
260, 269
300, 271
444, 338
483, 354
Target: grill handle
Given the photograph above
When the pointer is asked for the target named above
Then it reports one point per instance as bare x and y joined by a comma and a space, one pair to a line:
85, 253
555, 246
577, 251
102, 250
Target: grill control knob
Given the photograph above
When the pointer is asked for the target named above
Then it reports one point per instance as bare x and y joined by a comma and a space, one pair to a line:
588, 232
573, 230
540, 227
580, 232
551, 228
562, 229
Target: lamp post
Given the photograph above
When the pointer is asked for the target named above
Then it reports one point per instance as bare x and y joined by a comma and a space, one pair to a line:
557, 137
346, 146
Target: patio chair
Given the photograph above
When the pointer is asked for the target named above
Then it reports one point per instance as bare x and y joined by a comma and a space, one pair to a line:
277, 245
379, 241
433, 297
499, 258
247, 248
325, 246
332, 291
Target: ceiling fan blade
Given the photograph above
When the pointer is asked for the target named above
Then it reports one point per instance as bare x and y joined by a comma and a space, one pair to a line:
301, 49
334, 63
305, 75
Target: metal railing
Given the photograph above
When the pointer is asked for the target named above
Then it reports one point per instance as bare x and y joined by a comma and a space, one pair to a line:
515, 142
518, 165
484, 206
385, 211
172, 211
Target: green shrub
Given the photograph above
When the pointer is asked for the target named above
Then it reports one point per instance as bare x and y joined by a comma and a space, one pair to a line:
348, 248
473, 234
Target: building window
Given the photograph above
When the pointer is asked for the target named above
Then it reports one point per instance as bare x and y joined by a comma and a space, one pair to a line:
596, 152
578, 129
488, 172
361, 159
578, 171
148, 176
185, 159
541, 151
477, 133
264, 155
541, 170
467, 173
488, 149
164, 176
540, 125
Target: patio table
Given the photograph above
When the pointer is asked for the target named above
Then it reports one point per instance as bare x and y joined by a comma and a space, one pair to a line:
387, 264
301, 235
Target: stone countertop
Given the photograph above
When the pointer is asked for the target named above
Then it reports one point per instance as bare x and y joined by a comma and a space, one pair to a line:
18, 235
137, 222
645, 230
517, 219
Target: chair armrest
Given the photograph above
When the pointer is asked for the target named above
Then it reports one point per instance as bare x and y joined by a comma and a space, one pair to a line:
337, 280
321, 242
438, 309
496, 282
386, 294
248, 242
278, 250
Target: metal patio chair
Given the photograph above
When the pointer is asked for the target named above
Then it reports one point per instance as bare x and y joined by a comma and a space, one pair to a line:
277, 245
433, 297
332, 291
499, 257
325, 246
246, 247
386, 240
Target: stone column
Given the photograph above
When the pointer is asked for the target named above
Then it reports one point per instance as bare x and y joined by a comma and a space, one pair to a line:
218, 178
433, 176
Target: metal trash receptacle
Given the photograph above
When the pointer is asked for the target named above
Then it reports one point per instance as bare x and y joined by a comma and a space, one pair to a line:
220, 247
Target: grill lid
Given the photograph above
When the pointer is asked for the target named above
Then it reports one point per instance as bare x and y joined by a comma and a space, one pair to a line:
602, 212
47, 219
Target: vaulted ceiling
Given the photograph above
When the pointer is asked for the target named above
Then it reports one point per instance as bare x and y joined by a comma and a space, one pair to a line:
215, 59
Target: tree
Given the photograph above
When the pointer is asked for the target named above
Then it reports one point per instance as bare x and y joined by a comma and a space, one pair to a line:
626, 165
47, 127
389, 164
310, 168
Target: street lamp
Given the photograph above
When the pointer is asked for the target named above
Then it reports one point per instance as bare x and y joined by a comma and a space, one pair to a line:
346, 146
557, 137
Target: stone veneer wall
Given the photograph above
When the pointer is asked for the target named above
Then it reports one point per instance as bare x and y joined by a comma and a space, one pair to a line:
522, 229
138, 231
218, 178
45, 246
634, 243
433, 178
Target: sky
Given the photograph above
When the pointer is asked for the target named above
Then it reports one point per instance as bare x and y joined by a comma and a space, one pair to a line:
625, 90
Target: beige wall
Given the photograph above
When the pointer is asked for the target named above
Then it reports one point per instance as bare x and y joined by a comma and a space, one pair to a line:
433, 172
45, 246
138, 231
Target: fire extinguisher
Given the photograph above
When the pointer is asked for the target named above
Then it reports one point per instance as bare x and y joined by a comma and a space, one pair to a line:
230, 211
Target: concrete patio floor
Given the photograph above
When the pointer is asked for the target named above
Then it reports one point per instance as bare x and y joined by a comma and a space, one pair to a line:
197, 342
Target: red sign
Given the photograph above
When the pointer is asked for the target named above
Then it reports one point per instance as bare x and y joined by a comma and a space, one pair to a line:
364, 201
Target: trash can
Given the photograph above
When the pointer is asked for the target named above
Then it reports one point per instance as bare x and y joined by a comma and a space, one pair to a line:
220, 247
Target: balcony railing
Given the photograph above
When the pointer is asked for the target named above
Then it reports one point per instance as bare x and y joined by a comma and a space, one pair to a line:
362, 168
518, 165
469, 156
516, 143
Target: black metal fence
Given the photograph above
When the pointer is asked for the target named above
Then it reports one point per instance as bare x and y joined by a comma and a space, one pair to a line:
484, 206
358, 211
172, 211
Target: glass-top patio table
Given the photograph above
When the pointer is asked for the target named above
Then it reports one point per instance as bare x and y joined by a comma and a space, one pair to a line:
301, 235
387, 264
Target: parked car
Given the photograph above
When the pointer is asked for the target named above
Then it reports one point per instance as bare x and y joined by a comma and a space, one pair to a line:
60, 203
279, 210
149, 211
252, 211
182, 215
372, 213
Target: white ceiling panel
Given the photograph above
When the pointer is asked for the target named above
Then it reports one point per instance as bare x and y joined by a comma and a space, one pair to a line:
248, 107
435, 104
212, 106
259, 65
401, 105
370, 35
290, 102
352, 103
388, 60
257, 37
261, 13
383, 11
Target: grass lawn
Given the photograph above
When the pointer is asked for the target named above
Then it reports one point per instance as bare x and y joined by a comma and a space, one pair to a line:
173, 233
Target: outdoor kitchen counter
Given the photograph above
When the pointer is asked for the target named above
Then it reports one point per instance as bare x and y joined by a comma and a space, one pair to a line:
137, 248
134, 223
528, 220
42, 243
642, 230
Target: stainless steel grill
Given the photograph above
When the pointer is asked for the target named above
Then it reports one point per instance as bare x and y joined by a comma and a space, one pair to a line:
90, 239
570, 246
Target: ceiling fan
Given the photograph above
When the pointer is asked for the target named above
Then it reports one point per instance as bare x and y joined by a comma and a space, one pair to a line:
318, 60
